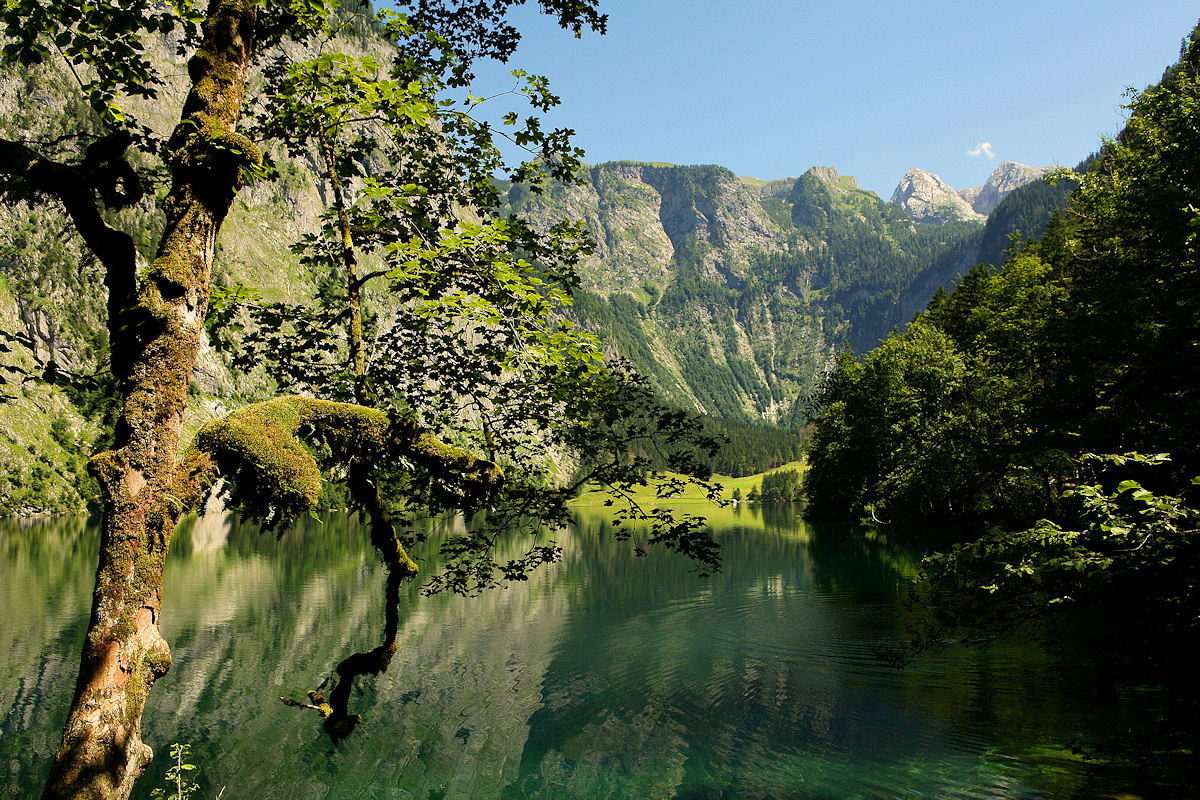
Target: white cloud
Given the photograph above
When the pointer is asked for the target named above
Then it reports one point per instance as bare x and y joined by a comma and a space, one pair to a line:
983, 149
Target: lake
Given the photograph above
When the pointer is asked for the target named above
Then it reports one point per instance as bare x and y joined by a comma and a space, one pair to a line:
603, 676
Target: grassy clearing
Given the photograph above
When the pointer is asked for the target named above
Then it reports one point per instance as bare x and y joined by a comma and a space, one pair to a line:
745, 516
645, 495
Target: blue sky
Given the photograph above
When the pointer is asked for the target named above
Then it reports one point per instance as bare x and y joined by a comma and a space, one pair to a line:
770, 88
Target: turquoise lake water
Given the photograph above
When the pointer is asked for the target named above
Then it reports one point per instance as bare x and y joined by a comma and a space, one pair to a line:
604, 676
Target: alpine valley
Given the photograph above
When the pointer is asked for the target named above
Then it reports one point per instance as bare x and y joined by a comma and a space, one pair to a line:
731, 293
734, 293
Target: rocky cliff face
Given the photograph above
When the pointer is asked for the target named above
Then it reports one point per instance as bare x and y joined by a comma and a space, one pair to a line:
641, 214
655, 225
734, 294
1006, 177
929, 199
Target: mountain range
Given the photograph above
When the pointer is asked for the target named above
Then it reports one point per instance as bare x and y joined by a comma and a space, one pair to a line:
927, 198
733, 294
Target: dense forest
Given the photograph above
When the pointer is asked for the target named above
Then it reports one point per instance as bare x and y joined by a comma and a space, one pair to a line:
1051, 405
749, 449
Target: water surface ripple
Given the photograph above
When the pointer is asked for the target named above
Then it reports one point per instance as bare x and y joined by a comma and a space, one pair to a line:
605, 676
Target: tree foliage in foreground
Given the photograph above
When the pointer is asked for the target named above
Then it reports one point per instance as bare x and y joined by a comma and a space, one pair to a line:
476, 376
1130, 560
444, 309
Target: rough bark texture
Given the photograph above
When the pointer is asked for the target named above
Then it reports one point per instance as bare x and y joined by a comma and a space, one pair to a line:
145, 488
155, 327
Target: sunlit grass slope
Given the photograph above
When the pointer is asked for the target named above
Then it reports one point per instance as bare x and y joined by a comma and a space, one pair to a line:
645, 495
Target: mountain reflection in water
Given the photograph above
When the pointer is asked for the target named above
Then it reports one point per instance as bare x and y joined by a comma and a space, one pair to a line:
604, 675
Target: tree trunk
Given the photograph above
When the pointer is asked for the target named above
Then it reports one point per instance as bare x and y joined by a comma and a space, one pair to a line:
144, 488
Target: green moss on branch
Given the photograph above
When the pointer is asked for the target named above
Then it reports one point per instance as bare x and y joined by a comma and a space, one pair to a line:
277, 477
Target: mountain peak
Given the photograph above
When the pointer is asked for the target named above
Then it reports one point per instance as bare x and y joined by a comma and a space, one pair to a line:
929, 199
1007, 176
833, 179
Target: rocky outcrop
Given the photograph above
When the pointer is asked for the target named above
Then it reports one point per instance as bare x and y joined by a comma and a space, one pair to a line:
929, 199
835, 181
49, 346
1006, 177
623, 215
641, 215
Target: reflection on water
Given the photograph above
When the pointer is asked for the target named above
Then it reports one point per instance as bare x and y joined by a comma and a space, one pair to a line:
603, 676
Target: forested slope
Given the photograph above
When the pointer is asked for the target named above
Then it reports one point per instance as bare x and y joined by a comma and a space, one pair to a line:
1059, 393
732, 294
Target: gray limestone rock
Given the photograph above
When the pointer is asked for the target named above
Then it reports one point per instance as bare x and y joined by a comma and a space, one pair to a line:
929, 199
1006, 177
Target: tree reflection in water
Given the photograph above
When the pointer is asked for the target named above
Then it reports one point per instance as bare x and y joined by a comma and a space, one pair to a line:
339, 722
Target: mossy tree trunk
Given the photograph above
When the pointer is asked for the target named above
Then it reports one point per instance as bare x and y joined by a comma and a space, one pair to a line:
155, 342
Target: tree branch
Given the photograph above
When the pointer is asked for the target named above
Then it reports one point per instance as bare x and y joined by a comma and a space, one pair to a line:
30, 175
276, 478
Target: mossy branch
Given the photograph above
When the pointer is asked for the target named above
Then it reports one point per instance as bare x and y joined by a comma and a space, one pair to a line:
260, 449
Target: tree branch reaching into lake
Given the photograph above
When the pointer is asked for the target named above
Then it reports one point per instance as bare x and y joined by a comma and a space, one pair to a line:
480, 356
